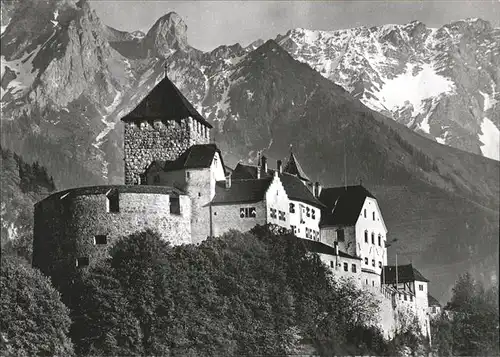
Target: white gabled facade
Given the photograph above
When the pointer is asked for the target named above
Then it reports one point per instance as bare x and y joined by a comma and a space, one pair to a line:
370, 237
277, 204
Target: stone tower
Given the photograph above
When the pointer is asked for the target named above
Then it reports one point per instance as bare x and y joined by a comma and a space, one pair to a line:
161, 127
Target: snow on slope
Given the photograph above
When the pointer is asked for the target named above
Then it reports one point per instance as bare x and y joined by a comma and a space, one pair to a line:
413, 87
425, 78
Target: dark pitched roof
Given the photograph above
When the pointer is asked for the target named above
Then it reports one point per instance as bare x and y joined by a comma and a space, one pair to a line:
406, 273
196, 157
297, 191
243, 172
294, 187
165, 101
343, 205
293, 167
248, 191
432, 301
322, 248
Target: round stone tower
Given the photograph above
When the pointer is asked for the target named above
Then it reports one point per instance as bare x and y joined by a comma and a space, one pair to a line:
76, 228
161, 127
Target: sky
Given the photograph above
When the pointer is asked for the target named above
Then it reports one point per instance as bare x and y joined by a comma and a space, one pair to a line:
214, 23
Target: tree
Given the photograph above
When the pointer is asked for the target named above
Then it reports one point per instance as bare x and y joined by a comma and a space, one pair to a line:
103, 324
473, 322
33, 319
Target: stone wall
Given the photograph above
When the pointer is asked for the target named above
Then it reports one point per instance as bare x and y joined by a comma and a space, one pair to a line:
148, 140
67, 223
227, 217
199, 190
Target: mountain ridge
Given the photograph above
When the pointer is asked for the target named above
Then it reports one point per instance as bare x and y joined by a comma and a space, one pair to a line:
259, 99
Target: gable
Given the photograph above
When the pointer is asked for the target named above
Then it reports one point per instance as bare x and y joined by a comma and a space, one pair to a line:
371, 206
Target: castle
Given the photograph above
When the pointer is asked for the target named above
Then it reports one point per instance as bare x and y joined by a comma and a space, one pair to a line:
176, 183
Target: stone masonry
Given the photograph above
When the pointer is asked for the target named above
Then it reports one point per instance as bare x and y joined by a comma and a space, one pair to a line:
148, 140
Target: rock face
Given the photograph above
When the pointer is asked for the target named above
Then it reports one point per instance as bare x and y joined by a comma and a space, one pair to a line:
441, 82
440, 202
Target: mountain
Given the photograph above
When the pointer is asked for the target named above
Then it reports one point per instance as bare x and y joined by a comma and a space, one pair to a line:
441, 82
67, 79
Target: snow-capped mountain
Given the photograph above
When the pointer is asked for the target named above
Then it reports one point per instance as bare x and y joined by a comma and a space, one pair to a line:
443, 82
67, 79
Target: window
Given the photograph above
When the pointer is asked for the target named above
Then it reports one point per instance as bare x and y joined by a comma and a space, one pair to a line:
281, 215
293, 229
292, 208
373, 215
331, 263
353, 268
188, 175
420, 287
273, 212
346, 267
373, 283
113, 204
248, 212
156, 179
366, 236
313, 214
199, 194
366, 261
308, 235
373, 238
340, 235
366, 281
100, 239
82, 261
379, 240
380, 265
434, 309
364, 212
406, 298
308, 213
411, 297
373, 262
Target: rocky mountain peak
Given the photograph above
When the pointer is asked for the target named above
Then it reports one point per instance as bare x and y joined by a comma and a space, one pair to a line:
168, 34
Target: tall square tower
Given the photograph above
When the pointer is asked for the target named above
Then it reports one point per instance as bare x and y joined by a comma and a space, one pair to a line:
161, 127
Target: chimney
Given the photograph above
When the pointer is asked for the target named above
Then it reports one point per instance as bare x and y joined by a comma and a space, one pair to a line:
228, 181
264, 164
336, 247
317, 189
279, 167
